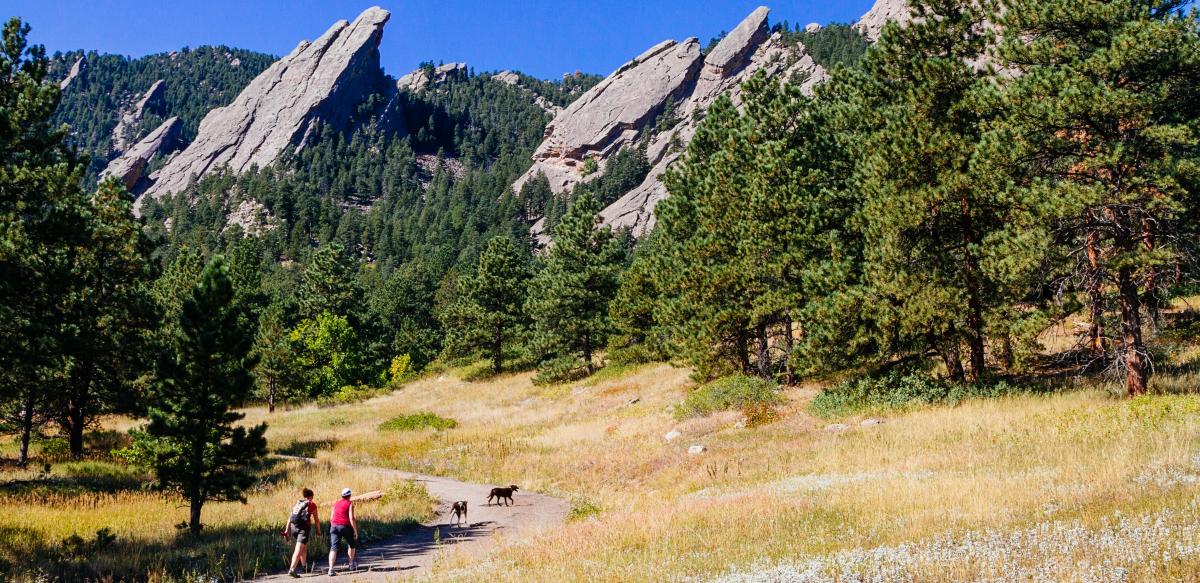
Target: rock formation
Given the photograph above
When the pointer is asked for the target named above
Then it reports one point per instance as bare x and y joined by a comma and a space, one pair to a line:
130, 118
871, 24
319, 82
423, 79
130, 166
624, 109
252, 216
74, 72
511, 78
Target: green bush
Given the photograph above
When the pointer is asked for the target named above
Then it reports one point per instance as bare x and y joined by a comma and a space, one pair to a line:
418, 421
737, 392
560, 370
349, 394
901, 390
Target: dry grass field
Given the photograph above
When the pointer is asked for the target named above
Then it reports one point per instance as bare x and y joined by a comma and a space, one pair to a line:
1078, 485
141, 540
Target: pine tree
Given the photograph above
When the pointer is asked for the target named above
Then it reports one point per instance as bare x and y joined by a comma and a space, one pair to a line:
43, 225
490, 310
1101, 110
197, 449
569, 297
329, 283
935, 216
277, 369
113, 315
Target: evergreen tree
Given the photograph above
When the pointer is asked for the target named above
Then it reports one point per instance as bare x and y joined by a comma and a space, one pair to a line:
569, 297
935, 217
1102, 112
197, 449
329, 283
277, 370
112, 315
489, 312
43, 226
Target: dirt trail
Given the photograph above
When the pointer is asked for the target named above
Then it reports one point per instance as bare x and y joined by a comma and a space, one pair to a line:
412, 553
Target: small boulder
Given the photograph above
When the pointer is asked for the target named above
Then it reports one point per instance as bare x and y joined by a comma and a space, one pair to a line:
836, 427
633, 401
697, 450
672, 435
871, 422
812, 27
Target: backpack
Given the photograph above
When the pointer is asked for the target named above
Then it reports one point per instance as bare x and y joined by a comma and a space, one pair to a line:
300, 515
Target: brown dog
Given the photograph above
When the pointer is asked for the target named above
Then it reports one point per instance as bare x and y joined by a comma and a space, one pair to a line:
459, 510
502, 494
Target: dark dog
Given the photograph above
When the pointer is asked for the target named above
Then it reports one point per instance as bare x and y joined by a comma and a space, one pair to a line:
502, 494
459, 510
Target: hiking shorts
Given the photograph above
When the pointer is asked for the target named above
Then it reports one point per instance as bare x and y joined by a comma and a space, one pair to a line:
342, 532
300, 534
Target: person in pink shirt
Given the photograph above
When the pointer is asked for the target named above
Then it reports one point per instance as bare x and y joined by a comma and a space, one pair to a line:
342, 526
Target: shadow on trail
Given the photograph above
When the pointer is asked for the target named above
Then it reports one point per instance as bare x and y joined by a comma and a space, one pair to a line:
390, 555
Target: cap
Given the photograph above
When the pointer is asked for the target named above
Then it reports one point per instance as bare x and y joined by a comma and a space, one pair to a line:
345, 492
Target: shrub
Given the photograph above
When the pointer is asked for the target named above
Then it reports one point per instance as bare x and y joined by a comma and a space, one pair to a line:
582, 509
560, 370
901, 390
400, 371
728, 394
418, 421
349, 394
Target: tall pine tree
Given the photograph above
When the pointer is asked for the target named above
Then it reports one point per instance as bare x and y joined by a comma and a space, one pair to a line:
569, 297
490, 312
197, 449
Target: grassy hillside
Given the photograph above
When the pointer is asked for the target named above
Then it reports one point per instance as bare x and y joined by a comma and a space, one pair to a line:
1073, 484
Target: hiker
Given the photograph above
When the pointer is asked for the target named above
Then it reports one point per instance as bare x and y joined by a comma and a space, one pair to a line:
299, 525
342, 526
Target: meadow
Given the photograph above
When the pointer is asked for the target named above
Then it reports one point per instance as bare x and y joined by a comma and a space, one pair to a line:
1071, 482
96, 519
1014, 487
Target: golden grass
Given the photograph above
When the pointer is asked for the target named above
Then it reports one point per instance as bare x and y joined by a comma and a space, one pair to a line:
781, 491
239, 539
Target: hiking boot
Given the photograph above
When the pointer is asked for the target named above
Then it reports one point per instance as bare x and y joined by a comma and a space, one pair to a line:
354, 566
293, 575
331, 573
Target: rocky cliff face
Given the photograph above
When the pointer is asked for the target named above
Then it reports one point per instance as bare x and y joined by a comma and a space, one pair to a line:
322, 81
625, 109
422, 78
131, 117
871, 24
76, 70
130, 166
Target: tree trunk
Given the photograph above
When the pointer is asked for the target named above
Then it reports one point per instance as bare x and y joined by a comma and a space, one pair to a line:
1137, 371
743, 353
1006, 352
26, 432
764, 352
952, 356
270, 394
1151, 284
75, 416
497, 350
1097, 343
789, 344
197, 503
975, 333
587, 354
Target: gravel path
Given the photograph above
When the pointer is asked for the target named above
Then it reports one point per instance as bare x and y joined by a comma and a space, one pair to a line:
412, 553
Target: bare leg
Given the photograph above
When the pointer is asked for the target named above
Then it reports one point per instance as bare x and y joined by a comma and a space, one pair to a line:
332, 557
298, 555
350, 553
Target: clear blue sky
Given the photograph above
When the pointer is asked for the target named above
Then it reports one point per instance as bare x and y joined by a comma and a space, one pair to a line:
540, 37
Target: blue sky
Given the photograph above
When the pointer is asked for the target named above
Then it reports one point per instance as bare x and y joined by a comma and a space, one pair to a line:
540, 37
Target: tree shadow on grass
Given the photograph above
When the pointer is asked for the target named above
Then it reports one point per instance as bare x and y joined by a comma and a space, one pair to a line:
306, 448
